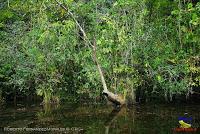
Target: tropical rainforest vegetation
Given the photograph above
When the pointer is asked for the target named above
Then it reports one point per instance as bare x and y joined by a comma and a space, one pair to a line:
146, 48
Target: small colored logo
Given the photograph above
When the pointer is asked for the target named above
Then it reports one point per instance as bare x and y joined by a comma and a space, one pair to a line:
185, 122
185, 125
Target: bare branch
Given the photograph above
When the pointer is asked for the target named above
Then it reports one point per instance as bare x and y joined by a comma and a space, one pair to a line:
75, 20
111, 96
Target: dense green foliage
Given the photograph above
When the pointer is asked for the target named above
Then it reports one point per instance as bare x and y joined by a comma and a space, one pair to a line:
149, 46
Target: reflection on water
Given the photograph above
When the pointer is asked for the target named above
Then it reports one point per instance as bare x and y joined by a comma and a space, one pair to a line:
98, 119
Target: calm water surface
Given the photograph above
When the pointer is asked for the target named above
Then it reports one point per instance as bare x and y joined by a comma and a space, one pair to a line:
96, 119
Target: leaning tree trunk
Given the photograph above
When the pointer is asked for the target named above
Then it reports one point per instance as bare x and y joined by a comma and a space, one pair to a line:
114, 98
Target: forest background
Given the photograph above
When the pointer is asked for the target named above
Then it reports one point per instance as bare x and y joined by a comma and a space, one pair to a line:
148, 49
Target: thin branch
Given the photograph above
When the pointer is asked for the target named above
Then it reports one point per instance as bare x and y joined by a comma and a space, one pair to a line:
73, 17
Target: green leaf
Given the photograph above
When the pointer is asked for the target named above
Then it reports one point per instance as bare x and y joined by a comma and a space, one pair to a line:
159, 78
190, 6
2, 25
175, 12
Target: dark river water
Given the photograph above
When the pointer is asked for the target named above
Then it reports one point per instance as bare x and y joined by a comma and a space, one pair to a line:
98, 119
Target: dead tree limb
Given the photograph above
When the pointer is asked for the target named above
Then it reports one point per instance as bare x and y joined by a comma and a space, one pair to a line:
79, 26
114, 98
